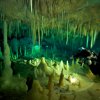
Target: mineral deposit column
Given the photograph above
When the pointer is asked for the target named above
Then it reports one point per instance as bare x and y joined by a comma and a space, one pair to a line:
7, 63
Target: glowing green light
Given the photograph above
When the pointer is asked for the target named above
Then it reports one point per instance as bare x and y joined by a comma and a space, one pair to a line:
87, 41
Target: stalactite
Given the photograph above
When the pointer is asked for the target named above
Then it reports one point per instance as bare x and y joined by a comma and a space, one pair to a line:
91, 42
17, 1
33, 28
87, 41
1, 16
75, 28
31, 2
50, 9
91, 33
95, 36
5, 34
53, 23
39, 36
18, 26
71, 28
42, 28
25, 51
67, 31
46, 31
58, 24
89, 26
84, 31
80, 29
17, 54
10, 24
20, 50
61, 33
32, 50
62, 16
29, 30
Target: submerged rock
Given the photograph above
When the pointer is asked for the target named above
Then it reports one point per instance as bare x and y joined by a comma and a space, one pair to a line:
89, 58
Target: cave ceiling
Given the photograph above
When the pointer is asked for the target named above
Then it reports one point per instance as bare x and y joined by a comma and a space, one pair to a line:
53, 13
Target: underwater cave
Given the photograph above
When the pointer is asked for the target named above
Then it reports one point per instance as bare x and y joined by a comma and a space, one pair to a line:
49, 49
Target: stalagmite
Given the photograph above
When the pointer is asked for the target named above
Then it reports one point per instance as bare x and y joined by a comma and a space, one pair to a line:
61, 65
50, 86
67, 67
61, 80
35, 93
7, 73
50, 81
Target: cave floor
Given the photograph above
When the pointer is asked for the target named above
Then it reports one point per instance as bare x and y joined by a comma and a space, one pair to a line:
88, 90
92, 93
